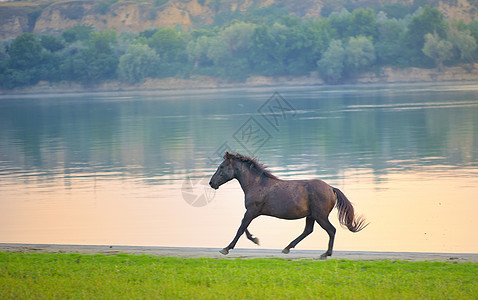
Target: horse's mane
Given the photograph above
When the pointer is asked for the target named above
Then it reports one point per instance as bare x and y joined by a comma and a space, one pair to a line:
252, 164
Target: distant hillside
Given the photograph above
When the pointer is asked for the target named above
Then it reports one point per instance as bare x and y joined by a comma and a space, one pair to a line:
43, 16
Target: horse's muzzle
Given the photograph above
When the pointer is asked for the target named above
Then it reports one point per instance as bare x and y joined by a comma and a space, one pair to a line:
213, 185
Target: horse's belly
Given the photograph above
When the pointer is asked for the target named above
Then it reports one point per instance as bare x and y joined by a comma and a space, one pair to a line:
287, 205
287, 212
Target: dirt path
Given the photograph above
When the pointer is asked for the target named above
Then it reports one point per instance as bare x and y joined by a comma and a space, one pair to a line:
236, 253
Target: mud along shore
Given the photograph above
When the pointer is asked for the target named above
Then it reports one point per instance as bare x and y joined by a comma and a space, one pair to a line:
184, 252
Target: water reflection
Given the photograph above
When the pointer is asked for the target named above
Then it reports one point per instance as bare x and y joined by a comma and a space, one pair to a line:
108, 168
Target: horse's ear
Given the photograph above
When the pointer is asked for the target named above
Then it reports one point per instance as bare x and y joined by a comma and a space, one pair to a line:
227, 155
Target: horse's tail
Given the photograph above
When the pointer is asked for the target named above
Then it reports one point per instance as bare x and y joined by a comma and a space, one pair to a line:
347, 216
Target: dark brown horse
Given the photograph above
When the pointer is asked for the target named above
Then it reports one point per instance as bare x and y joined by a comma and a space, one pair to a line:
267, 195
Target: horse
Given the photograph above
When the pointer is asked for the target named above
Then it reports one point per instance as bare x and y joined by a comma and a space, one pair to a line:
265, 194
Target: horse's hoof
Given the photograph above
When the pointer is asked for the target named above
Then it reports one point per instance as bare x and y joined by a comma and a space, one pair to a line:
224, 251
256, 241
285, 251
324, 256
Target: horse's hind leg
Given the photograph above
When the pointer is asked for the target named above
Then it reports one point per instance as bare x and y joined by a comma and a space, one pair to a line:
255, 240
327, 226
309, 227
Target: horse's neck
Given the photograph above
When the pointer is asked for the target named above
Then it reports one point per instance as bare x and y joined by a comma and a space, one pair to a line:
247, 178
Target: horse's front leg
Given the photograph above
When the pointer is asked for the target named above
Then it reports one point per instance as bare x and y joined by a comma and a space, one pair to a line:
309, 227
248, 217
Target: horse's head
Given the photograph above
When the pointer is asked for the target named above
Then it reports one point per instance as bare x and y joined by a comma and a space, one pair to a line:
224, 172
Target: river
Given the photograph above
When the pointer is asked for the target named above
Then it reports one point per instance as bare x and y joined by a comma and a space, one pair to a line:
132, 168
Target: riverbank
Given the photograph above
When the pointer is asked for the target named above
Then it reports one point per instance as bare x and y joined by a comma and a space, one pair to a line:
386, 75
182, 252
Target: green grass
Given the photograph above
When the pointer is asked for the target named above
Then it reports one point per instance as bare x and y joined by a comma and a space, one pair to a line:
74, 276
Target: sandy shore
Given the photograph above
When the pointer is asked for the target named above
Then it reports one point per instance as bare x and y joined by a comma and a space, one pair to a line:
236, 253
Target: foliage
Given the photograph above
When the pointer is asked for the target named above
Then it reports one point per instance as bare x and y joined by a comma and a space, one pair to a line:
101, 42
463, 41
398, 10
237, 37
331, 65
53, 276
437, 49
388, 47
429, 21
167, 42
94, 63
264, 41
25, 52
51, 43
360, 54
25, 57
77, 33
138, 62
197, 50
338, 61
363, 22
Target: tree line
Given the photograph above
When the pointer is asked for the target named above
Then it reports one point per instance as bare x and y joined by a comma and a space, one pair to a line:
338, 47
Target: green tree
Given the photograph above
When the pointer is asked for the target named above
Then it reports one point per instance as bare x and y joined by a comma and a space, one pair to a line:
25, 52
167, 43
95, 63
198, 50
238, 37
463, 41
51, 43
101, 42
74, 66
473, 28
23, 64
331, 65
233, 49
139, 62
437, 49
3, 61
89, 67
218, 52
262, 42
49, 69
77, 33
360, 54
363, 22
340, 22
387, 47
103, 67
277, 47
282, 41
399, 10
429, 21
306, 41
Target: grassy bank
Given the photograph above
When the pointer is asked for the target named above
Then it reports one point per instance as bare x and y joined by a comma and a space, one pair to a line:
49, 276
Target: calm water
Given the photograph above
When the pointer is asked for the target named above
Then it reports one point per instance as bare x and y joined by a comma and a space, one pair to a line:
124, 168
